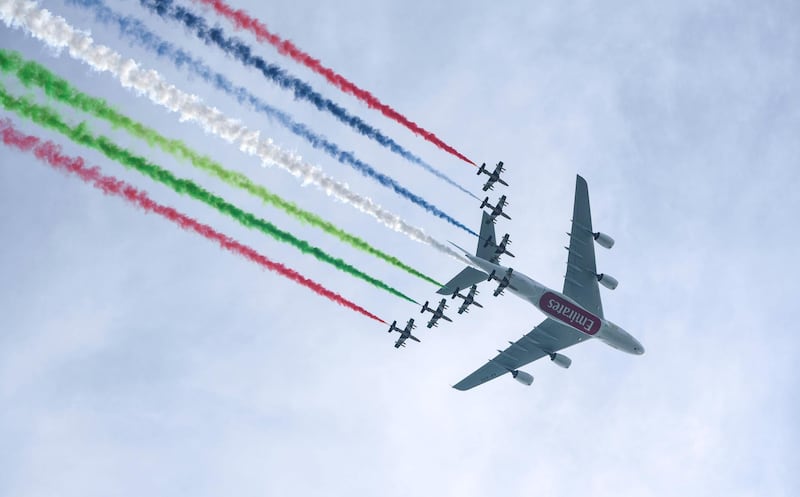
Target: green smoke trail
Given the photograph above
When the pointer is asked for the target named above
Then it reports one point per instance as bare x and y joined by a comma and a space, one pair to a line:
48, 118
32, 74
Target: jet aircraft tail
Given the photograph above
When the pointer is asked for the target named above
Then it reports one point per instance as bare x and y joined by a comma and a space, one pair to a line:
487, 250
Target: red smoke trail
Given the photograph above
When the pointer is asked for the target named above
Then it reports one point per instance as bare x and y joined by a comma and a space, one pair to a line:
51, 153
242, 20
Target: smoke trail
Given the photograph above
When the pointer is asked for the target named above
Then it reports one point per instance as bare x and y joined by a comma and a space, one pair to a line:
136, 31
33, 74
51, 153
242, 20
58, 34
301, 90
47, 117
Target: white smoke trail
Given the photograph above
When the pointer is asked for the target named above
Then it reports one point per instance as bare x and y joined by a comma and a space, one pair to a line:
58, 34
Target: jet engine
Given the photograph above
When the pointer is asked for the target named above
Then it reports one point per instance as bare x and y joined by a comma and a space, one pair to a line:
522, 377
603, 240
561, 360
607, 281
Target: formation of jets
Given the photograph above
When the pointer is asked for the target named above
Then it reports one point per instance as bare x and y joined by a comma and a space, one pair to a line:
490, 249
574, 315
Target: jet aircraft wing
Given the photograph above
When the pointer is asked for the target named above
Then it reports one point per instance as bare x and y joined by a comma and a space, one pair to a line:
580, 282
549, 337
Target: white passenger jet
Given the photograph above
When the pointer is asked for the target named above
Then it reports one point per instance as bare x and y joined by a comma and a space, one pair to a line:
574, 315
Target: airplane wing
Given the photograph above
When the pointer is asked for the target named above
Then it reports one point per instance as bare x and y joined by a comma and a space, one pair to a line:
550, 336
580, 282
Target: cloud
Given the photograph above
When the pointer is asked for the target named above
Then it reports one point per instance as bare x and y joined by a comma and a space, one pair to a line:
679, 115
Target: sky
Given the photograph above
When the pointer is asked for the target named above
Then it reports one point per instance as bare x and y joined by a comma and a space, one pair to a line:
140, 359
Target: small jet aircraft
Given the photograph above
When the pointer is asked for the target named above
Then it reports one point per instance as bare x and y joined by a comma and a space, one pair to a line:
404, 334
497, 210
505, 281
437, 313
574, 315
499, 249
494, 177
469, 299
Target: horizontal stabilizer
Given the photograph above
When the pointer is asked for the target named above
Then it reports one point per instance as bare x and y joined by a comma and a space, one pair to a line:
465, 279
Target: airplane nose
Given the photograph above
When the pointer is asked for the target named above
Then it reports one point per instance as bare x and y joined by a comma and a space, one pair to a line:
638, 349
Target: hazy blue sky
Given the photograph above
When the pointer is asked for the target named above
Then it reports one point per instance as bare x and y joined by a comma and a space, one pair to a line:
138, 359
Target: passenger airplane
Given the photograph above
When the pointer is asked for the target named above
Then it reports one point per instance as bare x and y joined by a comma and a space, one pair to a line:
494, 176
437, 313
469, 299
574, 315
497, 210
404, 334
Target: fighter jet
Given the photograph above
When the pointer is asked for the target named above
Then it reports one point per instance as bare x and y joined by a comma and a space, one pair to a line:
574, 315
497, 210
404, 334
498, 249
501, 249
505, 281
469, 299
494, 177
438, 313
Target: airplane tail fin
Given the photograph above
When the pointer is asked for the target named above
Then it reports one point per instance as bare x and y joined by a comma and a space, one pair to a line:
487, 247
487, 241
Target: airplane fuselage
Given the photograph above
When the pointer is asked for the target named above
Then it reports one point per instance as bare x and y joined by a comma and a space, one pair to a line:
562, 308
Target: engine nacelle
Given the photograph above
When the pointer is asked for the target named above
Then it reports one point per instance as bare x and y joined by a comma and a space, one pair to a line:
603, 240
561, 360
522, 377
607, 281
